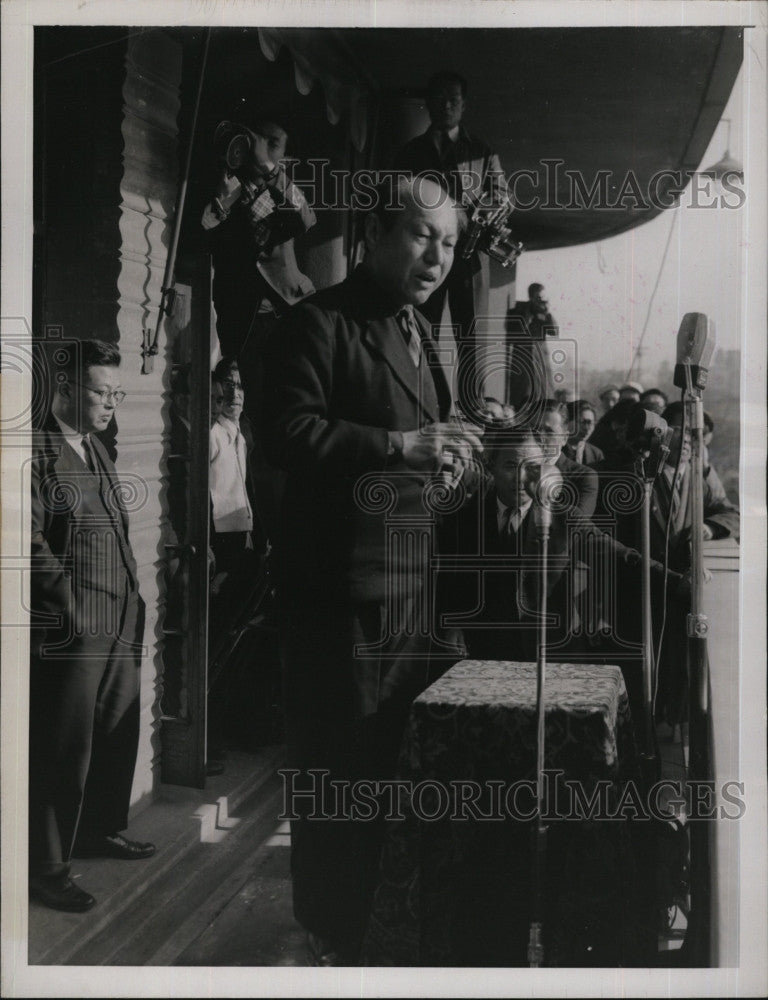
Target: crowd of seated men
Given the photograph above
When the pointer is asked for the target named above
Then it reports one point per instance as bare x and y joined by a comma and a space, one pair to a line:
593, 577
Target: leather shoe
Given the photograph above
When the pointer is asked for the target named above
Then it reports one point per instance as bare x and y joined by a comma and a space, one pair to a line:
117, 846
60, 894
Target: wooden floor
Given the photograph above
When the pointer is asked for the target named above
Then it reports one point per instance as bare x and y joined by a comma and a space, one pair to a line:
222, 901
217, 892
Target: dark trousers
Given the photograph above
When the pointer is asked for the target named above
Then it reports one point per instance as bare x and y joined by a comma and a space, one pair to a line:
84, 731
345, 714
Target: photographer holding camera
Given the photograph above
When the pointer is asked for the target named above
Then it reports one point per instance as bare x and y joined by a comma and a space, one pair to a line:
529, 326
251, 221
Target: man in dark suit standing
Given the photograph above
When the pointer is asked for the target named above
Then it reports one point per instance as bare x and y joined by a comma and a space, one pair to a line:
529, 326
357, 412
87, 626
471, 173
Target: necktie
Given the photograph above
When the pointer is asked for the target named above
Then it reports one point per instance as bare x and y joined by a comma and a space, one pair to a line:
90, 459
510, 522
410, 335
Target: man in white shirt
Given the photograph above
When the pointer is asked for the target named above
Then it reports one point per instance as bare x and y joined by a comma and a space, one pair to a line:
231, 511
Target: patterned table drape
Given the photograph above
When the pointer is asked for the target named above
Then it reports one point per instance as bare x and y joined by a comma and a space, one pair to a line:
456, 891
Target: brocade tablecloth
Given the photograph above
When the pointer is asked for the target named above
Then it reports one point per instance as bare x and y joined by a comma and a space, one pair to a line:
454, 885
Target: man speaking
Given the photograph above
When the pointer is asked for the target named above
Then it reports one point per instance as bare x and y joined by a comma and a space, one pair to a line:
354, 389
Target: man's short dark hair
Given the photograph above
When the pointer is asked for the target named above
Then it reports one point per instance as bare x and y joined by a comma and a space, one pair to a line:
387, 202
224, 368
85, 354
555, 406
673, 411
575, 408
709, 423
535, 286
446, 77
509, 437
654, 392
622, 411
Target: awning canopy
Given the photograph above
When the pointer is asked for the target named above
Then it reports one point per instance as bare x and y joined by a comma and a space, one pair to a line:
566, 109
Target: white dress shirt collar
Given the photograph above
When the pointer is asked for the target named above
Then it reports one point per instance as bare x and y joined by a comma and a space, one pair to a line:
518, 513
73, 438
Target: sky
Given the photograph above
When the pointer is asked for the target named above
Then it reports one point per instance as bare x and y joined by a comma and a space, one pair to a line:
599, 293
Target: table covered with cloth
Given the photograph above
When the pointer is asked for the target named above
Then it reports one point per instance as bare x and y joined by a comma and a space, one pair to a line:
455, 878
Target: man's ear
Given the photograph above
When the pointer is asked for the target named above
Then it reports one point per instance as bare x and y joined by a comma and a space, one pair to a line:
64, 389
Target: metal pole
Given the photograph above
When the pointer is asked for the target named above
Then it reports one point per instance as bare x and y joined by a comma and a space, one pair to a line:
697, 946
535, 944
166, 302
649, 748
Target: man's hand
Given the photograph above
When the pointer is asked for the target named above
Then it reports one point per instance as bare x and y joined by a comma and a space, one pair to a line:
228, 186
437, 445
707, 532
260, 164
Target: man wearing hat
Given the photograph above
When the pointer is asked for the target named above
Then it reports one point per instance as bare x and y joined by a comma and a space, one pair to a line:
609, 397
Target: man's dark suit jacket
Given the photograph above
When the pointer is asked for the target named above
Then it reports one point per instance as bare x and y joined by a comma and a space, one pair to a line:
500, 580
339, 377
510, 580
61, 571
719, 513
584, 481
529, 375
591, 456
87, 626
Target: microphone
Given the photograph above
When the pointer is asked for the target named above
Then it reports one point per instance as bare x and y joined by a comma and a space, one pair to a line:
648, 435
695, 346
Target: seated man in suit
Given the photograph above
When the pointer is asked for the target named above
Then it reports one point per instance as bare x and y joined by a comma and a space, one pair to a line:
609, 397
610, 437
87, 626
553, 425
670, 506
581, 424
711, 475
490, 564
497, 570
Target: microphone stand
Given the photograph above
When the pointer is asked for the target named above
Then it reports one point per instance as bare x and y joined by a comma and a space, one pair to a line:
543, 517
695, 346
697, 941
649, 462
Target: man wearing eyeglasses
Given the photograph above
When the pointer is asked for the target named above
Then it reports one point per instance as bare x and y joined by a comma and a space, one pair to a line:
87, 623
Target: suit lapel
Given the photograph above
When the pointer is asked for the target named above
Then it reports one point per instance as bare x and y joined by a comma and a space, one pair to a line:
109, 473
384, 338
431, 358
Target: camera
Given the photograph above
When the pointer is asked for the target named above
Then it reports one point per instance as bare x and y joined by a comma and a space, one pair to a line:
233, 144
